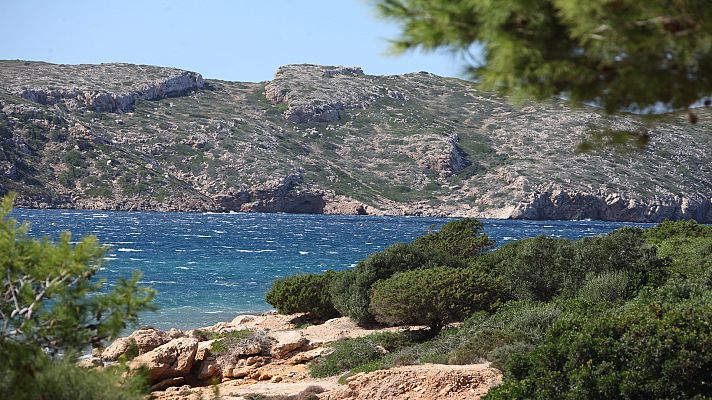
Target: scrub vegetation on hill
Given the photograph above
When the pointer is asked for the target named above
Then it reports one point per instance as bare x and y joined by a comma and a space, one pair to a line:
624, 315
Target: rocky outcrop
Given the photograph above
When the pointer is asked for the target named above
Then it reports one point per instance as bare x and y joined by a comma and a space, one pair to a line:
305, 104
283, 195
98, 100
419, 382
171, 360
612, 207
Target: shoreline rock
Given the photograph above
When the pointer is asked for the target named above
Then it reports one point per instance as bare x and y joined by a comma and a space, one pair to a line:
287, 196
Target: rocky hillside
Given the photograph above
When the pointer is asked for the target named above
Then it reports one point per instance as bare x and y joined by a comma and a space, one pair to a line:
321, 139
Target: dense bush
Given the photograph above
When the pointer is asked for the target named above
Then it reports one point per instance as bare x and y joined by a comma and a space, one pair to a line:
678, 229
456, 242
689, 255
533, 269
542, 268
606, 287
463, 238
434, 296
646, 350
350, 290
304, 294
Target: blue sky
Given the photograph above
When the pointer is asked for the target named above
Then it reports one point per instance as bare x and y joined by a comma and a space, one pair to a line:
232, 40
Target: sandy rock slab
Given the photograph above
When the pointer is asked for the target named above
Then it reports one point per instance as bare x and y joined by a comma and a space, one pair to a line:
171, 360
420, 382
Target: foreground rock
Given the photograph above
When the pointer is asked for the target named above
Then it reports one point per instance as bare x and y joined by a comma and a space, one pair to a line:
171, 360
273, 360
142, 341
419, 382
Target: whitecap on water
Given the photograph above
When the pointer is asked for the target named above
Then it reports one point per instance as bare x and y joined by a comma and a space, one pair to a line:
128, 250
303, 252
185, 268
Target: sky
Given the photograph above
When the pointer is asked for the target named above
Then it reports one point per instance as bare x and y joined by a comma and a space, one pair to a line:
235, 40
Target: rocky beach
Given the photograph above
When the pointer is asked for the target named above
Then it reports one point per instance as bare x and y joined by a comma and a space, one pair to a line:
271, 359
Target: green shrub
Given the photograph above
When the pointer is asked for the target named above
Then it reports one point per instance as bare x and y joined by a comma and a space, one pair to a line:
542, 268
350, 290
456, 241
304, 294
481, 343
434, 296
646, 350
607, 287
688, 255
533, 269
499, 355
687, 229
364, 352
348, 353
463, 238
227, 341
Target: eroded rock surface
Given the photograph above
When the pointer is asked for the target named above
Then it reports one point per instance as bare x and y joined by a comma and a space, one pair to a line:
419, 382
171, 360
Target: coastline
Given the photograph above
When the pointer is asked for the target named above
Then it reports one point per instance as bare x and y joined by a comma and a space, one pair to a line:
540, 206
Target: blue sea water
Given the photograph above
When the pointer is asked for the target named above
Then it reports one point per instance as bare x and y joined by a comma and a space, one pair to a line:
211, 267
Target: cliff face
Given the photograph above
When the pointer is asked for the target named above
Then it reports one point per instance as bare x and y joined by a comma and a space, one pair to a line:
321, 139
612, 207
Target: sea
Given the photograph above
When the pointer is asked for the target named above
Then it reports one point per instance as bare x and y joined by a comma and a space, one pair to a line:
209, 268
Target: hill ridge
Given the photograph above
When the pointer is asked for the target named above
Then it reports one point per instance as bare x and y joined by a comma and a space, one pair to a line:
331, 139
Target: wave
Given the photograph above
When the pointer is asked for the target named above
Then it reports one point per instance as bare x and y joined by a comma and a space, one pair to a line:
254, 251
128, 250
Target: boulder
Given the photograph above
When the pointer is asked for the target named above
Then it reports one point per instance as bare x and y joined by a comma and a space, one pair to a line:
116, 349
170, 360
307, 356
149, 338
287, 342
204, 350
235, 371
